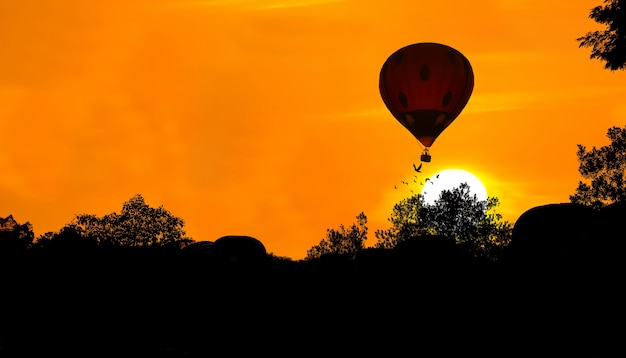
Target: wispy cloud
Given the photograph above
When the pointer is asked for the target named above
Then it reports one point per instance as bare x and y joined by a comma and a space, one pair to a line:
494, 102
539, 98
301, 3
356, 114
507, 58
255, 4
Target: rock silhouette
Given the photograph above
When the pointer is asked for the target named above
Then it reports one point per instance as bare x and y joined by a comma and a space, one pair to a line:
236, 249
554, 233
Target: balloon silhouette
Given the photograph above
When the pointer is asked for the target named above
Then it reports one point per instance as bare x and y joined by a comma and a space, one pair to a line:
425, 86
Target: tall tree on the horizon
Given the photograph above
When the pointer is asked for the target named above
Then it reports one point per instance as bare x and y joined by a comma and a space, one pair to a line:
137, 225
608, 45
603, 170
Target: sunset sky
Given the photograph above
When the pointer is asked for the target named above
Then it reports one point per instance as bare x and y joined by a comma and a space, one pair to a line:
263, 117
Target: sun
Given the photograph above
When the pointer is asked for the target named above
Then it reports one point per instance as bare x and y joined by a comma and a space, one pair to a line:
449, 179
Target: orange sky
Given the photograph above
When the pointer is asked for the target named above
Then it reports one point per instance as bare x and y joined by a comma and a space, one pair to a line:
263, 118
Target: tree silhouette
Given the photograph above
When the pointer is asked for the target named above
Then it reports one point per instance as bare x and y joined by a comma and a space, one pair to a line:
68, 240
342, 241
138, 225
15, 237
608, 45
407, 220
470, 222
603, 170
455, 215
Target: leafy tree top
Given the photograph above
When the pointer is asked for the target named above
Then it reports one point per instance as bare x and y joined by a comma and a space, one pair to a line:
603, 172
456, 215
14, 236
342, 241
136, 225
608, 45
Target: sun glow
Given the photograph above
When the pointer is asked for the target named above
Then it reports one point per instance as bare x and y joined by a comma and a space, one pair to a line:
449, 179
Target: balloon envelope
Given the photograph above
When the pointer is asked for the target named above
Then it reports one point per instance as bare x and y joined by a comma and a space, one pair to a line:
425, 86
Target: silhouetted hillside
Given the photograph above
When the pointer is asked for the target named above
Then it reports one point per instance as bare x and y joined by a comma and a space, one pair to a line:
552, 293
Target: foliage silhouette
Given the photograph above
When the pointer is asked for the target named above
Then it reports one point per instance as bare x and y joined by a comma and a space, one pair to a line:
608, 45
15, 237
470, 222
407, 220
342, 241
138, 225
456, 215
603, 170
67, 241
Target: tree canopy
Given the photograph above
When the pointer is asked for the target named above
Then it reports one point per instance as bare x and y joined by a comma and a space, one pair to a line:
136, 225
14, 237
608, 45
603, 172
407, 220
457, 215
342, 240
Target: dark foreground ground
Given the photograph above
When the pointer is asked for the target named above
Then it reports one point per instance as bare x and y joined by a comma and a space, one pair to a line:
384, 305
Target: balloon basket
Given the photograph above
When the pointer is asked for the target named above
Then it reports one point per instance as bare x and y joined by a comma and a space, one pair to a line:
425, 157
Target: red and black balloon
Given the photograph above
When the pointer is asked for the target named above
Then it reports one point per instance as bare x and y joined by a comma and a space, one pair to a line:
425, 86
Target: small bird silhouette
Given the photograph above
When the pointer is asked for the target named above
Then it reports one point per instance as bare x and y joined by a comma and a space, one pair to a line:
417, 169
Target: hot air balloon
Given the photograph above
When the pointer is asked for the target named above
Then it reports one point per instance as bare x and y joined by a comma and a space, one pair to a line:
425, 86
